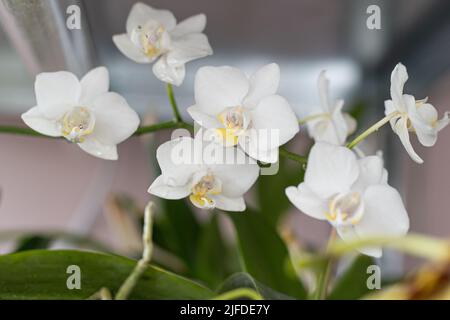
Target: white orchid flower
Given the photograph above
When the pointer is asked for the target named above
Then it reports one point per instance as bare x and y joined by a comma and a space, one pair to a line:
244, 111
83, 112
154, 34
410, 115
351, 194
209, 174
326, 122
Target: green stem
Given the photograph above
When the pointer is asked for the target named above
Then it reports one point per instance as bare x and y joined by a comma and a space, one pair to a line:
21, 131
129, 284
102, 294
239, 293
160, 126
293, 156
313, 117
140, 131
324, 276
149, 129
142, 265
372, 129
173, 103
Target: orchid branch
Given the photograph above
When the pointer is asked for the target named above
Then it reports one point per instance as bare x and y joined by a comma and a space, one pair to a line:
372, 129
307, 119
324, 276
102, 294
140, 131
144, 130
21, 131
142, 265
293, 156
161, 126
239, 293
173, 103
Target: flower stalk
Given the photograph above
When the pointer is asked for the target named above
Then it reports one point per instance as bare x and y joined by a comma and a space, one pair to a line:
372, 129
316, 116
293, 156
21, 131
239, 293
324, 277
140, 131
142, 265
173, 103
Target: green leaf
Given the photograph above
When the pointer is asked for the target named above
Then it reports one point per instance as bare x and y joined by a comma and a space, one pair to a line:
244, 280
415, 244
357, 111
271, 196
41, 274
33, 242
264, 254
36, 240
353, 282
216, 260
177, 230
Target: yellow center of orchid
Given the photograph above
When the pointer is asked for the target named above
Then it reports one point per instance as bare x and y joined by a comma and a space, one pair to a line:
76, 124
203, 189
233, 120
345, 209
150, 38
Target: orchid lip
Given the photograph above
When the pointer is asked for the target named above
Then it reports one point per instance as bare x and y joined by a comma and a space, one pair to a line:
77, 124
235, 124
149, 38
202, 190
345, 209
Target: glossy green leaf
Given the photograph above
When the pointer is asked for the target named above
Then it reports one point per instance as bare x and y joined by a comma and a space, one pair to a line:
357, 110
414, 244
177, 230
244, 280
264, 254
41, 274
216, 260
32, 242
271, 189
352, 284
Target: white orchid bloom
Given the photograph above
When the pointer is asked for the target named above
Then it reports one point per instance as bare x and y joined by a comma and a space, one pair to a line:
411, 115
83, 112
351, 194
209, 174
154, 34
326, 122
244, 111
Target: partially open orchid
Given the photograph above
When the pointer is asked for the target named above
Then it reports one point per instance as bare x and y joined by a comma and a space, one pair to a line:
244, 111
209, 174
351, 194
83, 112
411, 115
326, 122
154, 34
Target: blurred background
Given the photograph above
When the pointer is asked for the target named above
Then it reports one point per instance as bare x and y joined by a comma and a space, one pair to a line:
51, 185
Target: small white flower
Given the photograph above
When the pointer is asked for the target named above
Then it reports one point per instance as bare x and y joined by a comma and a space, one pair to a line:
153, 34
83, 112
412, 115
209, 174
244, 111
327, 122
352, 194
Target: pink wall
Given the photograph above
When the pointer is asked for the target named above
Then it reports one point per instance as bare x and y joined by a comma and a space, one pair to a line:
51, 184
